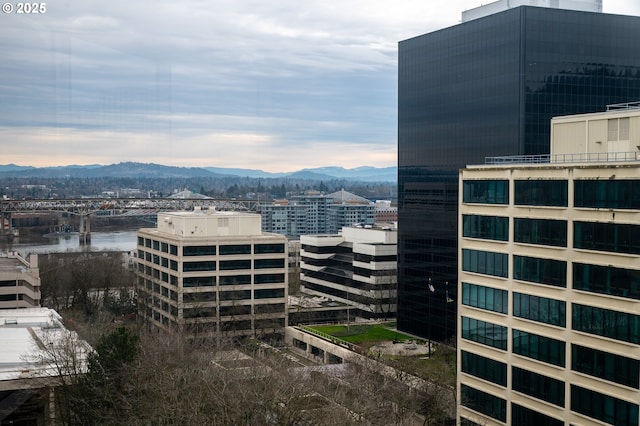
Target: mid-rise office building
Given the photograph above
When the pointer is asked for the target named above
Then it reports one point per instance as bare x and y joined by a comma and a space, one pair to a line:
19, 281
212, 274
489, 87
356, 267
550, 280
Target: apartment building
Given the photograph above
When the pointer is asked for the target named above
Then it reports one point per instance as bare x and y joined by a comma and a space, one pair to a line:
316, 214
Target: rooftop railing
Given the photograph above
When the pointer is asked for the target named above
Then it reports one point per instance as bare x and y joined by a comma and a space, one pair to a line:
623, 106
594, 157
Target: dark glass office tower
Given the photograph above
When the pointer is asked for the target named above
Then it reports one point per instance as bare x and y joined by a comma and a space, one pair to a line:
489, 87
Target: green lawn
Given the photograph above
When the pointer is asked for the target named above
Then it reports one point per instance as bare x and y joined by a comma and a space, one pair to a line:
440, 368
359, 333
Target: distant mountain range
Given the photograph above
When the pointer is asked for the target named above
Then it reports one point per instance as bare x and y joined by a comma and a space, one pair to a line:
150, 170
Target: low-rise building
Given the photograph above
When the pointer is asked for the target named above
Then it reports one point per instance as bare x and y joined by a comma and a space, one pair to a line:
37, 354
356, 267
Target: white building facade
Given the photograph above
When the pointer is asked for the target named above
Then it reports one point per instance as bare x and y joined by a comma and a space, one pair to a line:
19, 281
357, 267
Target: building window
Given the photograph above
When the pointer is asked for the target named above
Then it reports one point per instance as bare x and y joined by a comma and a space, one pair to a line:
271, 308
198, 281
485, 191
272, 293
235, 280
603, 407
607, 280
268, 248
231, 326
541, 271
268, 278
608, 194
607, 323
485, 227
235, 249
489, 298
235, 310
605, 365
551, 193
523, 416
173, 250
537, 386
484, 368
611, 237
209, 265
206, 296
235, 295
484, 403
226, 265
538, 347
199, 312
540, 231
618, 129
269, 324
199, 250
268, 263
485, 262
541, 309
487, 333
467, 422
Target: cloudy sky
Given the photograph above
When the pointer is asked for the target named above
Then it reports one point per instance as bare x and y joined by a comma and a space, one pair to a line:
273, 85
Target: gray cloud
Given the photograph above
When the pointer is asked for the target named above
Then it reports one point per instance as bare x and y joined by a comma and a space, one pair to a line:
228, 83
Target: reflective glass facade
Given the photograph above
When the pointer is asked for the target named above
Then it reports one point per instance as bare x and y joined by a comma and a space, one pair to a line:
489, 87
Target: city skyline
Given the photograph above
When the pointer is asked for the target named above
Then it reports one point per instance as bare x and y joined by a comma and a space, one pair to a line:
276, 87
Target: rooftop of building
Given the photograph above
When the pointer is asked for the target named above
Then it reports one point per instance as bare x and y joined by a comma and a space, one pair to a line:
187, 194
562, 160
582, 143
502, 5
13, 262
200, 212
343, 196
202, 224
27, 336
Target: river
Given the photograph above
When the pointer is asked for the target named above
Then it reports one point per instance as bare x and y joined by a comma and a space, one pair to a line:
111, 240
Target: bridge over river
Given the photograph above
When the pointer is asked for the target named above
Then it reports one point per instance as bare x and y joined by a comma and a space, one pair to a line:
85, 208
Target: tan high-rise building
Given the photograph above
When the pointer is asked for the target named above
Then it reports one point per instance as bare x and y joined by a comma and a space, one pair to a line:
213, 274
549, 290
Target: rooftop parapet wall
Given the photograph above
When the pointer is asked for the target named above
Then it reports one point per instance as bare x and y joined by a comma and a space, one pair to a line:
502, 5
209, 224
